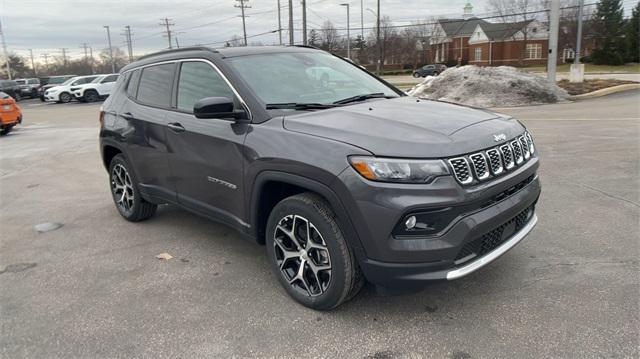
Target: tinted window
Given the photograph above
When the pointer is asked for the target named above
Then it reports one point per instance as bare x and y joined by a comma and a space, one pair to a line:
110, 78
33, 82
155, 85
132, 87
197, 81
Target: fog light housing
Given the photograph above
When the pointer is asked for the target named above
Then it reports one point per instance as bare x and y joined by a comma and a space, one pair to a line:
410, 223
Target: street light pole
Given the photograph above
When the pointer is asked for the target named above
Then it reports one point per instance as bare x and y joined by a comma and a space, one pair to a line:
554, 25
113, 65
348, 33
304, 22
576, 59
290, 22
379, 64
362, 19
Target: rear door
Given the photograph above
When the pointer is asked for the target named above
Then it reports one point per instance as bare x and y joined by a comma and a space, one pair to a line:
144, 115
105, 86
205, 155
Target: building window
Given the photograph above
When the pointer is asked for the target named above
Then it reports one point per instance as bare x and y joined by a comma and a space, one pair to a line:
478, 53
534, 51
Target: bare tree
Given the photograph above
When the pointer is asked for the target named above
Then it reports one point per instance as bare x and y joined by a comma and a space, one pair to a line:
518, 12
328, 37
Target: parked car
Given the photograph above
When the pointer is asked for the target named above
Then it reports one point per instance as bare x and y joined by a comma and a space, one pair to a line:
29, 87
10, 113
342, 184
10, 88
429, 70
96, 90
51, 81
62, 92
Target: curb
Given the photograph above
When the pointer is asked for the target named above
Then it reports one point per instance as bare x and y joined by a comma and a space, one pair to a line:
605, 91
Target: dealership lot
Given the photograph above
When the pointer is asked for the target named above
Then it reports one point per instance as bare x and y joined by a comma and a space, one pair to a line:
93, 287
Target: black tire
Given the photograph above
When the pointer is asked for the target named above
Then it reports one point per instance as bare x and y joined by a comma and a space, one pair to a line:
135, 209
6, 130
91, 96
344, 277
416, 75
42, 99
17, 97
64, 97
435, 73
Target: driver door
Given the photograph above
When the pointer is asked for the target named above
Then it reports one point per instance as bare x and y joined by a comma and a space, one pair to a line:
205, 155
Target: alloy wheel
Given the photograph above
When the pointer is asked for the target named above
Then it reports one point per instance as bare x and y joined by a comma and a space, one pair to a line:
302, 255
122, 187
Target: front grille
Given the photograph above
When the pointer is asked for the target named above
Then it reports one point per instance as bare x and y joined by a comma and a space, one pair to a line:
461, 170
517, 151
493, 239
493, 161
480, 166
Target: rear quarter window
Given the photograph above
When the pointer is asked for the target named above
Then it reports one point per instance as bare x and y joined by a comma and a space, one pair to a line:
155, 85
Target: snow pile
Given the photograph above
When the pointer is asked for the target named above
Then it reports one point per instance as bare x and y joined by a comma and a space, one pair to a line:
489, 87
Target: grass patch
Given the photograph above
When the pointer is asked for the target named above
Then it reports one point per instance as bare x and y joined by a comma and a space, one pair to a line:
590, 85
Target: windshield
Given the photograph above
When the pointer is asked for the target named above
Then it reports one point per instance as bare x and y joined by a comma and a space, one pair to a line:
97, 79
69, 81
21, 82
309, 77
56, 80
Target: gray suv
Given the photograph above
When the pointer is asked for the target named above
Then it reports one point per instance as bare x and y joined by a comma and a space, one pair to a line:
344, 181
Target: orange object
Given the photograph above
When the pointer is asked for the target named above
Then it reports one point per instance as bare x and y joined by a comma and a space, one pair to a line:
10, 113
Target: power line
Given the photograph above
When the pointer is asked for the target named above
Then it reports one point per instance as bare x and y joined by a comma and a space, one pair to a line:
127, 39
167, 24
242, 5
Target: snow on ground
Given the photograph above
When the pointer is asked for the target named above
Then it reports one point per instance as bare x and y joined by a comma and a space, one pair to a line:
501, 86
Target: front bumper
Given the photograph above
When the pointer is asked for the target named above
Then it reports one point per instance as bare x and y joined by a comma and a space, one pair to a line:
77, 94
52, 97
392, 261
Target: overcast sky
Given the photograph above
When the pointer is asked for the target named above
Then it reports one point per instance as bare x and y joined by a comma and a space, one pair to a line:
48, 25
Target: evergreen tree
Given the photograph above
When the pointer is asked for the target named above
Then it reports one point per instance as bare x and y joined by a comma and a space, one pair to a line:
631, 35
609, 27
314, 39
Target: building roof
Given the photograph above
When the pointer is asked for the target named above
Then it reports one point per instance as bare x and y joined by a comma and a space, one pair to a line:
460, 27
503, 31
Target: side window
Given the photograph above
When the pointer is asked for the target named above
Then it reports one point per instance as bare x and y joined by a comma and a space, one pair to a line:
33, 82
110, 78
132, 87
155, 85
197, 81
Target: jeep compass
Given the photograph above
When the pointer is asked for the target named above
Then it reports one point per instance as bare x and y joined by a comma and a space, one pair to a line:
344, 178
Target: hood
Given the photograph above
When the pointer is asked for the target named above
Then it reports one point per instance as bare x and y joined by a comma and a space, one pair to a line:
407, 127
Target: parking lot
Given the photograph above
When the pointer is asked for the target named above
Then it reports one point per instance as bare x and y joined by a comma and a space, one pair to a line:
93, 287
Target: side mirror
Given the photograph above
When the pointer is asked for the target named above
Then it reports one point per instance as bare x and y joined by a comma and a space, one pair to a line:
217, 107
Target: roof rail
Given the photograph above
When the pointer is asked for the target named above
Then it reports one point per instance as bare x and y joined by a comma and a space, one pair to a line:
306, 47
171, 51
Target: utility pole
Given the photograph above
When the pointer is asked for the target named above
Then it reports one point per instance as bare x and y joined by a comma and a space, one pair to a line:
64, 50
177, 43
362, 19
378, 65
113, 64
279, 24
85, 48
348, 32
33, 64
243, 6
554, 25
127, 39
91, 59
304, 22
576, 72
45, 56
166, 23
290, 22
6, 53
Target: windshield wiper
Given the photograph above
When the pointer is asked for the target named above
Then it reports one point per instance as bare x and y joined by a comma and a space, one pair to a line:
298, 106
359, 98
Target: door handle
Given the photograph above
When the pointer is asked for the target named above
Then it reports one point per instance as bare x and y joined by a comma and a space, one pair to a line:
175, 127
127, 116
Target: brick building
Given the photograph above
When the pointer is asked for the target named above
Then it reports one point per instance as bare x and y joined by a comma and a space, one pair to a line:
471, 40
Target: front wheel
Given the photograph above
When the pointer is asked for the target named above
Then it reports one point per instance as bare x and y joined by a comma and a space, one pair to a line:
6, 130
125, 192
416, 75
64, 97
91, 96
309, 255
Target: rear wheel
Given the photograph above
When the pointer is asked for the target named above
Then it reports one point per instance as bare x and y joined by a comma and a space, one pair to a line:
64, 97
91, 96
126, 195
34, 93
416, 75
17, 97
309, 255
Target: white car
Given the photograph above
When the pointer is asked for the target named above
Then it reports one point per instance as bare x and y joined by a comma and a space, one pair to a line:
99, 88
62, 92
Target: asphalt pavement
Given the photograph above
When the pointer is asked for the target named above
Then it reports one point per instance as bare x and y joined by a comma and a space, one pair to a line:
93, 288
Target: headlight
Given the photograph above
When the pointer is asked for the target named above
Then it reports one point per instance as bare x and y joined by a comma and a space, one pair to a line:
398, 170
